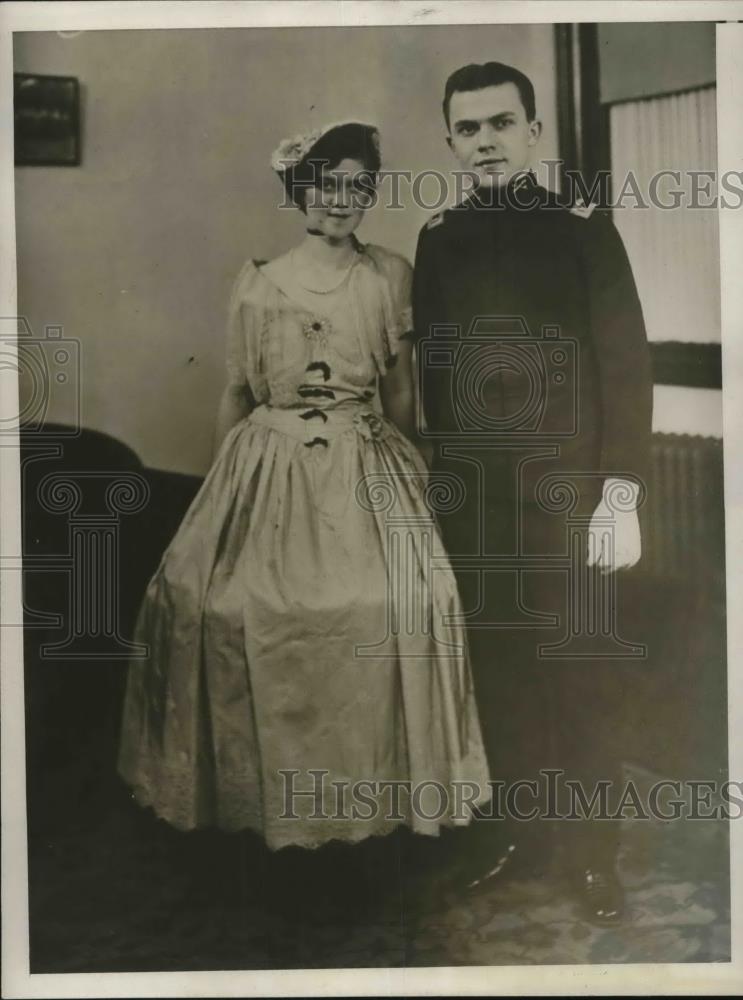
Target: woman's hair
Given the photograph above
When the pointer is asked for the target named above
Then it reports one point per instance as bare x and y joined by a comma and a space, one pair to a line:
352, 141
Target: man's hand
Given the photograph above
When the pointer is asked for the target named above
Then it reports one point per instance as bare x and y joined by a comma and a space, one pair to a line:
616, 513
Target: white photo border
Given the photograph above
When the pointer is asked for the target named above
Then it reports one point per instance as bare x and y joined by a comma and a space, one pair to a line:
646, 979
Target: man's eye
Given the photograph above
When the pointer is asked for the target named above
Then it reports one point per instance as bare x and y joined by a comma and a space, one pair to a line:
505, 124
467, 130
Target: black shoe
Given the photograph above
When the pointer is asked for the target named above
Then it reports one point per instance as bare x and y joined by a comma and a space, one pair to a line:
600, 895
496, 870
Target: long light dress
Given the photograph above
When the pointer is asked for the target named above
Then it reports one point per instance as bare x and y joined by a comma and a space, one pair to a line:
305, 616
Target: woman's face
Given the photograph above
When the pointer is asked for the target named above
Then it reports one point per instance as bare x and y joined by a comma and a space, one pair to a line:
335, 205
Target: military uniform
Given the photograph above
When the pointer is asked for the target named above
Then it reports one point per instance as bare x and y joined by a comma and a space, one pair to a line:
535, 370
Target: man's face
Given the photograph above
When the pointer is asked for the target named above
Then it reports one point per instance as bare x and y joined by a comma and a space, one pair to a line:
489, 132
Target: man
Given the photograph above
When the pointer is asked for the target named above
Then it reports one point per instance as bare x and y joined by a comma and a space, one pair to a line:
535, 372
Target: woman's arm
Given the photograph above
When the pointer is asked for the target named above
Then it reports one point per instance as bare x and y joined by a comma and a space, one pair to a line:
397, 394
235, 404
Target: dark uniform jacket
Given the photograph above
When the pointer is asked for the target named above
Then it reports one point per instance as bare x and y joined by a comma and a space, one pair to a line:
530, 333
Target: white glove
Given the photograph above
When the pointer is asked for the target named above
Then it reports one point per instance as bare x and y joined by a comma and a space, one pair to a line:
614, 532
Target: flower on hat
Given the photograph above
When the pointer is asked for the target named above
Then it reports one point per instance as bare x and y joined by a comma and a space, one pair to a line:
289, 152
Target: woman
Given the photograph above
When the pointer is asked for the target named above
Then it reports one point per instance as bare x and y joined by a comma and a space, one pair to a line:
296, 622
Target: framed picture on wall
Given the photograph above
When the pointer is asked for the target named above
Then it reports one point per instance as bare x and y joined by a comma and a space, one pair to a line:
47, 120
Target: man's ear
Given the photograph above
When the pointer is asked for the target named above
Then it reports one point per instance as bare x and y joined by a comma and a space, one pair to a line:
448, 143
535, 131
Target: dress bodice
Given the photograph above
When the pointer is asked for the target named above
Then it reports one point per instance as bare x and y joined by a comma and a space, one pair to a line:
296, 350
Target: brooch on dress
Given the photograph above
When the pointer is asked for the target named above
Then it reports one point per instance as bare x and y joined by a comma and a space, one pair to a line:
317, 330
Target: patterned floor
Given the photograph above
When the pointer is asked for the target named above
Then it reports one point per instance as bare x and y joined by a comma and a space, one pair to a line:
122, 893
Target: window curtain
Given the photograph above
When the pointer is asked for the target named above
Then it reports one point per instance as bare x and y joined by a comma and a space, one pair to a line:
674, 253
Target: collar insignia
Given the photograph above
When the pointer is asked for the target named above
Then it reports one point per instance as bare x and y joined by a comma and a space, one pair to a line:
582, 210
522, 180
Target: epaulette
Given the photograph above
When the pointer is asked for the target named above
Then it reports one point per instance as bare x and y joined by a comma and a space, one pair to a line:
435, 221
582, 210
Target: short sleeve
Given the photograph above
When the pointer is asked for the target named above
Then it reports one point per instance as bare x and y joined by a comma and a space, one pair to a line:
236, 355
402, 291
245, 325
396, 292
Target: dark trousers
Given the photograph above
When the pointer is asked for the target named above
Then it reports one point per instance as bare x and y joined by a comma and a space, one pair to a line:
541, 712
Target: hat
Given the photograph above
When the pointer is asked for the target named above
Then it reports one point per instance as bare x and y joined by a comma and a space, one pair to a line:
290, 152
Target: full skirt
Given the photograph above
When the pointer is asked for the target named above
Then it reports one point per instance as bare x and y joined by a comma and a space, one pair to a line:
304, 635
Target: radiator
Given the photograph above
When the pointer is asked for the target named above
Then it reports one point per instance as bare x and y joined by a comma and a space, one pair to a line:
683, 516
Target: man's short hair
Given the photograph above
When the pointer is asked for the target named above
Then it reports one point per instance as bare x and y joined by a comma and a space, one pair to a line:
477, 76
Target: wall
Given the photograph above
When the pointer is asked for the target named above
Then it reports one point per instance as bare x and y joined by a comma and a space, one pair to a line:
643, 60
134, 252
636, 62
